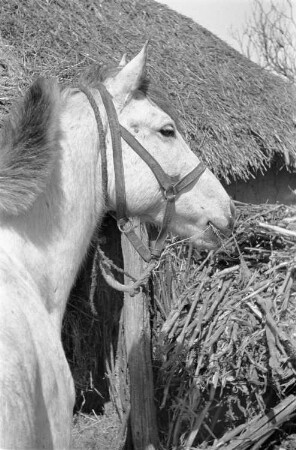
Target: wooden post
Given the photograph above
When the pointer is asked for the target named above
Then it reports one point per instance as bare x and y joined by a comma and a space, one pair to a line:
138, 346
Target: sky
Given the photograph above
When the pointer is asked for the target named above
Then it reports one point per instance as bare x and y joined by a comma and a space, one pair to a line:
227, 18
218, 16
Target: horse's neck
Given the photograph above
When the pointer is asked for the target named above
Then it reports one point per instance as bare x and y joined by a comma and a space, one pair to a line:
51, 240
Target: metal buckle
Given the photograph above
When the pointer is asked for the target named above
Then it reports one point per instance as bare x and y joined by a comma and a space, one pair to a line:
155, 253
170, 193
124, 225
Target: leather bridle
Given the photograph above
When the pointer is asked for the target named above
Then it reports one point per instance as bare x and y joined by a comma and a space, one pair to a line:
169, 188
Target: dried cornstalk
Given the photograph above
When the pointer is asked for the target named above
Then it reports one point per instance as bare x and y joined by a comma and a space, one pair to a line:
232, 321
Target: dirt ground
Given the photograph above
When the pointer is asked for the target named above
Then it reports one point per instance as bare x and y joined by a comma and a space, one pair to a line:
96, 432
101, 432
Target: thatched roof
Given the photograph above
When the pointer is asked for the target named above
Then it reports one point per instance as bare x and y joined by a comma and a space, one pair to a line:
238, 116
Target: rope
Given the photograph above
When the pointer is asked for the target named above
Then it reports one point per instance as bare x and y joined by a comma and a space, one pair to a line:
106, 266
131, 289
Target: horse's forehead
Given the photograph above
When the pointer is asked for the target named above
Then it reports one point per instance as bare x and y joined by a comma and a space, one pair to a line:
144, 110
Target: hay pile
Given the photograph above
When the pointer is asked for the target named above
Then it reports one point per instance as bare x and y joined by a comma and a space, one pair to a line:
237, 116
225, 335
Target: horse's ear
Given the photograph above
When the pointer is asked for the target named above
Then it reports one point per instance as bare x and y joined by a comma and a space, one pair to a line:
122, 61
128, 80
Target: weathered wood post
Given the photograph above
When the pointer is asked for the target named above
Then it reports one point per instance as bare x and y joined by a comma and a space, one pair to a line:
138, 346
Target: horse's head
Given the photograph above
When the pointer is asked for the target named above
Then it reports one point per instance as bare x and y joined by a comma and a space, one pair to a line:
203, 210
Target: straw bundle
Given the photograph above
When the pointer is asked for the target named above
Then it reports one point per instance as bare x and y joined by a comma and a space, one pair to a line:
225, 334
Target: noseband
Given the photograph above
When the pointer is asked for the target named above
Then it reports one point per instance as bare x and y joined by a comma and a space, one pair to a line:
169, 189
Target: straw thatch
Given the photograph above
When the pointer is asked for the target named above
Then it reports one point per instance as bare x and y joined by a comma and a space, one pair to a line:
233, 113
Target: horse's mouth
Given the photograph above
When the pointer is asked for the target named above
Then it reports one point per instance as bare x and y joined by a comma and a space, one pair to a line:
211, 238
221, 233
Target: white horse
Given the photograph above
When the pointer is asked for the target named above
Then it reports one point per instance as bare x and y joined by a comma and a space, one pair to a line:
51, 200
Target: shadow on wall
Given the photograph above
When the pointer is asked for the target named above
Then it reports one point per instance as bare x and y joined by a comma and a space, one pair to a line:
275, 186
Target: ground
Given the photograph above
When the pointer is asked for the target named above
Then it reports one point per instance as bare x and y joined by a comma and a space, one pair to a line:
101, 432
96, 432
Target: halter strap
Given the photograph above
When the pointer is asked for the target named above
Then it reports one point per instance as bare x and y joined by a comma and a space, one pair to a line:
117, 152
102, 137
163, 179
168, 187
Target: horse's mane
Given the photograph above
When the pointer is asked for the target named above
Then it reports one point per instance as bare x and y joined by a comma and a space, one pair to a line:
29, 142
99, 73
29, 138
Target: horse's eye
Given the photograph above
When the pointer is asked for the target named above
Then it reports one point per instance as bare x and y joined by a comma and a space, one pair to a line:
168, 131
